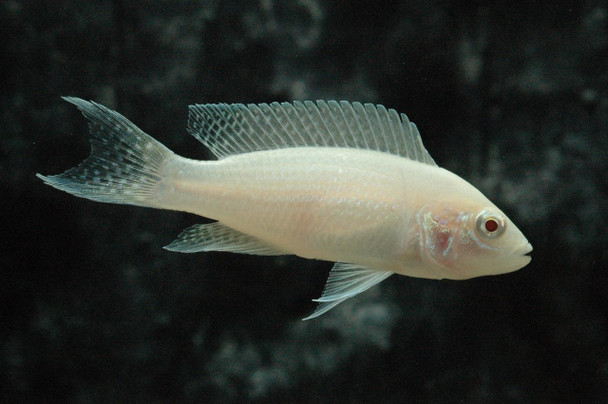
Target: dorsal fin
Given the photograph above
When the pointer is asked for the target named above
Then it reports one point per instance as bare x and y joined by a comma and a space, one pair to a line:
229, 129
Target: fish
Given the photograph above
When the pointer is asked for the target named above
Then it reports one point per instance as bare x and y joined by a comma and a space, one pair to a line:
350, 183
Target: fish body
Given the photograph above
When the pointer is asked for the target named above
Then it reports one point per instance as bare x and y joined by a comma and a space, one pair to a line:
341, 182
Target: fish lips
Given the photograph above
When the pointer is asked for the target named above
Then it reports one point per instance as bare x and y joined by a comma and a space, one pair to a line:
517, 258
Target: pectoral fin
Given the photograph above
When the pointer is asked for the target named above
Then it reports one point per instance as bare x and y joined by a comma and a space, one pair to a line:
219, 237
346, 281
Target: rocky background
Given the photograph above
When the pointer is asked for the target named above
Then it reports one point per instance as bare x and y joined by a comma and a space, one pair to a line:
512, 98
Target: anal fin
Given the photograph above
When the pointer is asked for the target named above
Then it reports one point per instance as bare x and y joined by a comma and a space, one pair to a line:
344, 282
219, 237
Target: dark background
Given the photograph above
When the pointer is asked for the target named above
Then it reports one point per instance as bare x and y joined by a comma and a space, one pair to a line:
512, 98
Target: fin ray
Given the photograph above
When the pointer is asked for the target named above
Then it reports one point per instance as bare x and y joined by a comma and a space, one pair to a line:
345, 281
219, 237
228, 129
125, 164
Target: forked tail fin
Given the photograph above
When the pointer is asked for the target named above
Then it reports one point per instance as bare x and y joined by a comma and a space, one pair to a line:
125, 165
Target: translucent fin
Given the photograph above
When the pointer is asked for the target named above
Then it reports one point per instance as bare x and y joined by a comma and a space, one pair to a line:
228, 129
125, 163
218, 237
346, 281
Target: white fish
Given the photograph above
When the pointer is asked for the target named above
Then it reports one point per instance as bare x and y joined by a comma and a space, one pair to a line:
337, 181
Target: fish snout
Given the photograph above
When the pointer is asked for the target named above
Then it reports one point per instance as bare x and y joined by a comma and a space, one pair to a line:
517, 258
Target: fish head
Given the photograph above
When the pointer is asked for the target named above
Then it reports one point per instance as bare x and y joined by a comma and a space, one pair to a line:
469, 240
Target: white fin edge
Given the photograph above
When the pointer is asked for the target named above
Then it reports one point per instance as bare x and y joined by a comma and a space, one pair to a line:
229, 129
345, 281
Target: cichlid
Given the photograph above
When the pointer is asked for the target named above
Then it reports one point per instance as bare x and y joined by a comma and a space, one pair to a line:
336, 181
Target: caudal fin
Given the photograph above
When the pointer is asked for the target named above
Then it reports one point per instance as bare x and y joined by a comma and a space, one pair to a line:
125, 165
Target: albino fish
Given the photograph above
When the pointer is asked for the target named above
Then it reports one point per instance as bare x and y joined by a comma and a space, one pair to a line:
336, 181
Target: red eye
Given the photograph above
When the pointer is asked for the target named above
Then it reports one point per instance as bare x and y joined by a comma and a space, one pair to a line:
491, 225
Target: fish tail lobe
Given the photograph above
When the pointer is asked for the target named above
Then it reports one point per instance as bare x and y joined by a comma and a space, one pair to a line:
125, 165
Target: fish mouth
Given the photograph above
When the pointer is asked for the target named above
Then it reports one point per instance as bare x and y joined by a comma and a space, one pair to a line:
517, 259
523, 255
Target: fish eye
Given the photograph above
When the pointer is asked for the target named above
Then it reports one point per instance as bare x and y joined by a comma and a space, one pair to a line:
490, 224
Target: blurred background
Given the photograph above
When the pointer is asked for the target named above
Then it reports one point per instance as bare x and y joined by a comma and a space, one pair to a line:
512, 98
